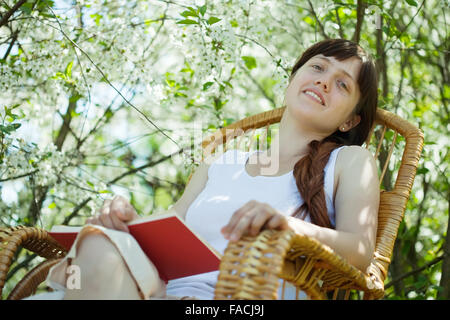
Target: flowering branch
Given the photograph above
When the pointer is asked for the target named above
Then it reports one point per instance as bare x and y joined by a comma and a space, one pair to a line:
107, 81
5, 17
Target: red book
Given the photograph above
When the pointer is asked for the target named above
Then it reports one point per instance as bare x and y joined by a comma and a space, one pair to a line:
175, 250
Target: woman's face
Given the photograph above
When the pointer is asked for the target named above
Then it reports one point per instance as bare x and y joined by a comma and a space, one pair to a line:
335, 82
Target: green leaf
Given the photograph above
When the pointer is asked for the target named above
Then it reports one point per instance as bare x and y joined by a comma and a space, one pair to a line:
422, 171
234, 23
206, 85
203, 10
187, 21
213, 20
96, 18
26, 7
52, 205
180, 94
192, 9
9, 128
68, 71
228, 84
171, 83
189, 14
59, 75
412, 3
309, 20
10, 114
250, 62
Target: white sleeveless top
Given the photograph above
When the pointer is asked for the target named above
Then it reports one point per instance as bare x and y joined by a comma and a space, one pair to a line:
228, 188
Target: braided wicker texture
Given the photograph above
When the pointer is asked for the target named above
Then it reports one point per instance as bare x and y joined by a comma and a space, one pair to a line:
251, 268
35, 240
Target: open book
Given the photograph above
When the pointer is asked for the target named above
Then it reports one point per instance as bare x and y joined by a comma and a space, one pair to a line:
175, 250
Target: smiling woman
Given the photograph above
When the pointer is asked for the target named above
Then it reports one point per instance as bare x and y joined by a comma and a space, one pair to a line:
325, 185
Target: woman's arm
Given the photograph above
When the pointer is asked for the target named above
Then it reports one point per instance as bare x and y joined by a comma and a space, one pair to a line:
356, 207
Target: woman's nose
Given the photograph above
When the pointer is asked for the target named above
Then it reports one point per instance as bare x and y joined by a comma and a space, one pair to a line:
323, 83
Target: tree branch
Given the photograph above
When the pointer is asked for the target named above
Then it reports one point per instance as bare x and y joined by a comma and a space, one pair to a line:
24, 264
341, 32
13, 41
406, 275
322, 29
260, 88
149, 164
404, 29
67, 118
19, 176
5, 17
361, 6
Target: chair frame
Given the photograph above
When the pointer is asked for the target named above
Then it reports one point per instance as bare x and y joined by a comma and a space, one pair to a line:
251, 267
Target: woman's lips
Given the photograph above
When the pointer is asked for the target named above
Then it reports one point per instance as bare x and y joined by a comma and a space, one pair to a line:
312, 98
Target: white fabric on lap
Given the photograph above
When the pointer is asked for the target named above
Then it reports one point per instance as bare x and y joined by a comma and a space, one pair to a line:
136, 260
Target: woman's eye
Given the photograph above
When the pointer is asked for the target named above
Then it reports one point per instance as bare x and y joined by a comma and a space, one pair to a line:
317, 67
343, 85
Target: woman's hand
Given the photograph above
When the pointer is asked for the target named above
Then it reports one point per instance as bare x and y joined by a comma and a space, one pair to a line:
114, 214
251, 218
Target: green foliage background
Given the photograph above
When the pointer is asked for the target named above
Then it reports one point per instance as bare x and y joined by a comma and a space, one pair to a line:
89, 78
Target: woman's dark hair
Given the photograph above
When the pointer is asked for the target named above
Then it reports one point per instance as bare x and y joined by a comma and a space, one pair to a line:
309, 170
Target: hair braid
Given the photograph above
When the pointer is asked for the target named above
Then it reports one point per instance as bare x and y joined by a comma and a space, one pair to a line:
309, 175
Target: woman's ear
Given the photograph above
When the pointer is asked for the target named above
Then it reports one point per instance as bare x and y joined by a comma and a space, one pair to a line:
350, 123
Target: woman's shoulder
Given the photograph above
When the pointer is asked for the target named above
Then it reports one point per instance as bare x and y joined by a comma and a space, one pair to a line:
353, 156
355, 150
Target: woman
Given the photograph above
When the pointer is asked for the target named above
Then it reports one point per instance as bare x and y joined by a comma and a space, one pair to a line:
325, 186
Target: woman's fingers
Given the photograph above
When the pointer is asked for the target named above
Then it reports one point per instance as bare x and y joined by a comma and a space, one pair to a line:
258, 222
252, 218
236, 217
122, 209
118, 224
106, 221
251, 222
114, 214
241, 226
105, 206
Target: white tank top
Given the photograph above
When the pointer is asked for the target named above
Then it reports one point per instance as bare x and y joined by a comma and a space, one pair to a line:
228, 188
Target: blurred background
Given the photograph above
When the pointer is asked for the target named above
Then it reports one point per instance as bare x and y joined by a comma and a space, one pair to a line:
104, 97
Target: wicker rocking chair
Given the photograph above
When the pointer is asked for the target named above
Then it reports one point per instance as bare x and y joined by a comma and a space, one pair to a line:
251, 268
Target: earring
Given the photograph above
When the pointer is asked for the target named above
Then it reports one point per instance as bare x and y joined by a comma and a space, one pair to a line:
343, 128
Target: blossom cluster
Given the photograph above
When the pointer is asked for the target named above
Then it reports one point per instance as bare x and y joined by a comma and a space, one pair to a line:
44, 164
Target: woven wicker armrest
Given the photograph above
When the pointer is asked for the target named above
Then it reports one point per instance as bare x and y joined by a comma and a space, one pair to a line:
251, 268
33, 239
